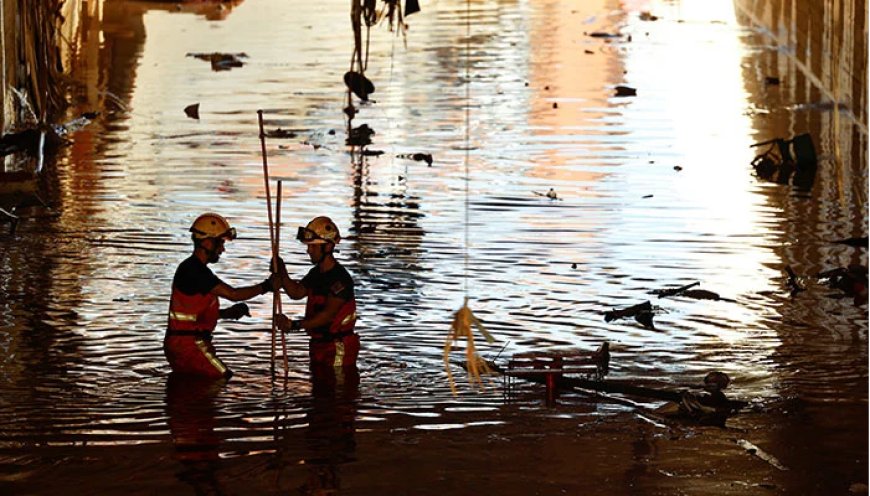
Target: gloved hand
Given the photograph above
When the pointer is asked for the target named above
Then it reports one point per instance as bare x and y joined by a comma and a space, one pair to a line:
286, 324
235, 312
270, 284
281, 268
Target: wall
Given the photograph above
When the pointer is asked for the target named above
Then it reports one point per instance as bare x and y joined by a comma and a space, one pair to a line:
827, 39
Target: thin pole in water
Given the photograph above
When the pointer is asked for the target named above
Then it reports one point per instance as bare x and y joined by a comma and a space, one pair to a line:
276, 305
271, 228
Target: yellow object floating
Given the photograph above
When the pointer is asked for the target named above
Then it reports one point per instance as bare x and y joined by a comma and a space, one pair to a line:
463, 321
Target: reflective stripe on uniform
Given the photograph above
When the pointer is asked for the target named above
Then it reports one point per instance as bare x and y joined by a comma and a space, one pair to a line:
350, 318
339, 354
186, 317
215, 361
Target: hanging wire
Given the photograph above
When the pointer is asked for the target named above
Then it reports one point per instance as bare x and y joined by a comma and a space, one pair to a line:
464, 322
467, 130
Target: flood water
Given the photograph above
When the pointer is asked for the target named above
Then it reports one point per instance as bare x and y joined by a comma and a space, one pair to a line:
653, 191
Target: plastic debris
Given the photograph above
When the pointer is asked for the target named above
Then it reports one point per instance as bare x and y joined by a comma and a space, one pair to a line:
192, 111
360, 85
462, 327
625, 91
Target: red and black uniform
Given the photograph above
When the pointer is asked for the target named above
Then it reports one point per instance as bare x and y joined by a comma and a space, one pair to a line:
335, 344
193, 315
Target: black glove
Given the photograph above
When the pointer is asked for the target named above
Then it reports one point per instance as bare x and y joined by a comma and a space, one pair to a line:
280, 269
236, 311
286, 324
266, 286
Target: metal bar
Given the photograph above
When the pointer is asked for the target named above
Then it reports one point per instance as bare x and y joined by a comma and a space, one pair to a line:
271, 229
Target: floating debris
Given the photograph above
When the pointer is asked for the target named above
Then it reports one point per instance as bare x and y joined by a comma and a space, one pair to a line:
11, 218
44, 138
221, 61
627, 312
794, 287
772, 81
787, 161
372, 153
411, 7
360, 136
625, 91
281, 133
851, 280
716, 381
664, 293
646, 16
599, 34
687, 292
462, 328
359, 85
855, 242
760, 453
29, 140
645, 319
642, 313
76, 124
419, 157
711, 407
678, 168
192, 111
551, 194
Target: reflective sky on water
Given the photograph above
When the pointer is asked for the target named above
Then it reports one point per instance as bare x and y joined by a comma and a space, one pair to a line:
653, 191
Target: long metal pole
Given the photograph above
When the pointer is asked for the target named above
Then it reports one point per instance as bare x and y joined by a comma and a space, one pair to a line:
277, 301
271, 229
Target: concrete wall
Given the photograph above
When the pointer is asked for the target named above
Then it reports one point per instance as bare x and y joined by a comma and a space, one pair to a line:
827, 39
6, 53
29, 60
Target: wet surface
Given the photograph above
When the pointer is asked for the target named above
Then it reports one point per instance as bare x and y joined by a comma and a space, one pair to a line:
84, 394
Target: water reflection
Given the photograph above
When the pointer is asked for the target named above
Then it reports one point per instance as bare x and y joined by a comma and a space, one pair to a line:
191, 411
330, 435
835, 116
84, 296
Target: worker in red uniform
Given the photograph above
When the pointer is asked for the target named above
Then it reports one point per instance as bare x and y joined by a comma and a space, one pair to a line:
194, 309
330, 308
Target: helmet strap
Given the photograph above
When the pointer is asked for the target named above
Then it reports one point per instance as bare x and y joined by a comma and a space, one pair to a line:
319, 259
323, 253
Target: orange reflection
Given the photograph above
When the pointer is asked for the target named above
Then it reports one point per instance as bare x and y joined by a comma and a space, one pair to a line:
571, 76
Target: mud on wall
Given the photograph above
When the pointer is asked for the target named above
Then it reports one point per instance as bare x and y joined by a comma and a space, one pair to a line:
30, 61
826, 38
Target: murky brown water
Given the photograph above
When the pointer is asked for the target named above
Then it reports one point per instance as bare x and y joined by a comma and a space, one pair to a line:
84, 398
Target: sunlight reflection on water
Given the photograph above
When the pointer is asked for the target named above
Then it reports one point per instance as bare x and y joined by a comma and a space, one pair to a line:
90, 290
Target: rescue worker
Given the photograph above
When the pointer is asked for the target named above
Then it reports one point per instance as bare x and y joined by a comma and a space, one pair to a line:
194, 309
330, 308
